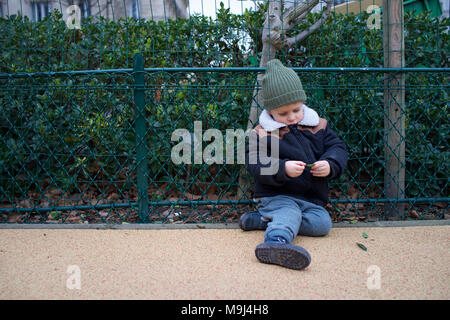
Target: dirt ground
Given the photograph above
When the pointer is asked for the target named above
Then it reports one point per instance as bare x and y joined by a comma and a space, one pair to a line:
399, 263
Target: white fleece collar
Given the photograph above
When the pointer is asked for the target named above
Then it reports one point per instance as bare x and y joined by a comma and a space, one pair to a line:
310, 118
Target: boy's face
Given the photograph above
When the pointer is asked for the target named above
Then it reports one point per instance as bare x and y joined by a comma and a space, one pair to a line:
289, 113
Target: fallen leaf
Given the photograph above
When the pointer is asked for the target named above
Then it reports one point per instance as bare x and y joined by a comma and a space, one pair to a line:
103, 213
55, 193
113, 196
413, 214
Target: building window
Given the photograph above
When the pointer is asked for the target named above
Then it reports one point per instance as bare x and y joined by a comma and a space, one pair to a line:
135, 10
40, 10
85, 7
1, 9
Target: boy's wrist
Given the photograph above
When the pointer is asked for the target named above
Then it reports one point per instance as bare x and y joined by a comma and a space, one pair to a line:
281, 174
331, 164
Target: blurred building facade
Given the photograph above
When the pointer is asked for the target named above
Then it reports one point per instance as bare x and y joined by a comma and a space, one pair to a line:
37, 10
149, 9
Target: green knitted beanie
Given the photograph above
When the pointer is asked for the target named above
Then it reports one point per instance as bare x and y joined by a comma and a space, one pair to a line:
281, 86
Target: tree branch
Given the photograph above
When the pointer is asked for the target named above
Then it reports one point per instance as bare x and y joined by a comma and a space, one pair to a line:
302, 35
295, 13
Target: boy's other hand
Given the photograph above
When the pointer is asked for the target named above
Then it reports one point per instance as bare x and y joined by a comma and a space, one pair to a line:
321, 169
294, 168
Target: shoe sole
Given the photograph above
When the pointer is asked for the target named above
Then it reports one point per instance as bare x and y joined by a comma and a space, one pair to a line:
285, 255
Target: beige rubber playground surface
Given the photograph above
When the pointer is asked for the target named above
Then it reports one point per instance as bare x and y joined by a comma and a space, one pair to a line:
400, 263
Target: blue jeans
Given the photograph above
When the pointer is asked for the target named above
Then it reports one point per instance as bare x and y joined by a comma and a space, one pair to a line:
290, 216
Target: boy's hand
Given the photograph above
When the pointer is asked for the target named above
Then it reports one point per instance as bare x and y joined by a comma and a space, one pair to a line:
321, 169
294, 168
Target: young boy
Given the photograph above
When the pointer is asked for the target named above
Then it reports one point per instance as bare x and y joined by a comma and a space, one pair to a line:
291, 200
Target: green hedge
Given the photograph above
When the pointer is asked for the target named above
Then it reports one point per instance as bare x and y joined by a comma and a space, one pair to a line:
230, 40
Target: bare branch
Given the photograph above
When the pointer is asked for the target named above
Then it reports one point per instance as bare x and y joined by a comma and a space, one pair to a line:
302, 35
295, 13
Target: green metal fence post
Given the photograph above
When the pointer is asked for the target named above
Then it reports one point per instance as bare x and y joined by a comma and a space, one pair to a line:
141, 139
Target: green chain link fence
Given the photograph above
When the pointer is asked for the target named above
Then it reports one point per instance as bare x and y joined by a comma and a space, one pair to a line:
86, 130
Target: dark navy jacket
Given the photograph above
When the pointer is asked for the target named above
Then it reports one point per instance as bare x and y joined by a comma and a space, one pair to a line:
296, 142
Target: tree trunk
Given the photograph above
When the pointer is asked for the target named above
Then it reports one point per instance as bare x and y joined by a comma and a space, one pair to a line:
394, 107
268, 53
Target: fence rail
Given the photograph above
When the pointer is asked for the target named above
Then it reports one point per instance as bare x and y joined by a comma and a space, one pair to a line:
218, 70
